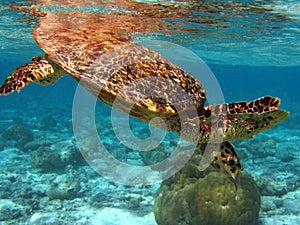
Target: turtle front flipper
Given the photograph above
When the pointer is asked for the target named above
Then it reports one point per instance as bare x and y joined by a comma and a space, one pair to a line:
39, 70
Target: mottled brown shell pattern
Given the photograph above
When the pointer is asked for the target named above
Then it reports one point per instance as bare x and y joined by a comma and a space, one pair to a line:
106, 63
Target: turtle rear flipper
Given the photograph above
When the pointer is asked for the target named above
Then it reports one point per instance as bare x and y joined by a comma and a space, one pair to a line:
224, 158
40, 70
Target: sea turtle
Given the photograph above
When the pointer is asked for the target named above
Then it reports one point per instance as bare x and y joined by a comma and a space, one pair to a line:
105, 62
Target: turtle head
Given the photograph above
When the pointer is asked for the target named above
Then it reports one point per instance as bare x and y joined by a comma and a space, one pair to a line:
40, 70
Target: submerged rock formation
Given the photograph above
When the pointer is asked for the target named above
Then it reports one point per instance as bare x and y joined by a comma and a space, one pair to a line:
207, 198
17, 135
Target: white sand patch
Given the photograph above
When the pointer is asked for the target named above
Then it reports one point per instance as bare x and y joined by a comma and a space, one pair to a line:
112, 216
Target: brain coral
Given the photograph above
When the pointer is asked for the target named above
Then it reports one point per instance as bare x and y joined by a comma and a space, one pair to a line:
209, 198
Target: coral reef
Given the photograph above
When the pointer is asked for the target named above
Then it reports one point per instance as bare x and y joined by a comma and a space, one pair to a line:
68, 152
64, 187
17, 135
46, 159
207, 198
156, 155
56, 157
48, 122
34, 145
10, 210
30, 192
45, 218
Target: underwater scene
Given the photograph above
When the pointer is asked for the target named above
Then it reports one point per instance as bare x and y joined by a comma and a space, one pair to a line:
196, 119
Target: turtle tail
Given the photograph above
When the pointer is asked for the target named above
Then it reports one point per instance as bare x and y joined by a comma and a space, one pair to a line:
39, 70
242, 120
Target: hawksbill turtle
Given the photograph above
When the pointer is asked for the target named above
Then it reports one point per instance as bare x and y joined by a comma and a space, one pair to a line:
105, 63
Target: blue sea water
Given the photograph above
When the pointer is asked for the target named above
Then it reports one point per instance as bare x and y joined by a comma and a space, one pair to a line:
45, 180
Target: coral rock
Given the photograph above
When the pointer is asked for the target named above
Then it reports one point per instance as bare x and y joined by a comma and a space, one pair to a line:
64, 187
10, 210
17, 135
209, 200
